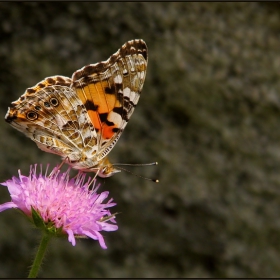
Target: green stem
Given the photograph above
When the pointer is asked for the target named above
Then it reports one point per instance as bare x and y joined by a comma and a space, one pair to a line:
40, 255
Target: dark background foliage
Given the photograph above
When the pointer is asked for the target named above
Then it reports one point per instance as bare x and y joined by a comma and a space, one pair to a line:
209, 114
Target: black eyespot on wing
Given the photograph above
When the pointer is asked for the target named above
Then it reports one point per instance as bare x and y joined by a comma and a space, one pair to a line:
47, 104
31, 115
54, 101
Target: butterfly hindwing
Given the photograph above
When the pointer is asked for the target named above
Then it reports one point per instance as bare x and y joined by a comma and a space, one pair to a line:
53, 116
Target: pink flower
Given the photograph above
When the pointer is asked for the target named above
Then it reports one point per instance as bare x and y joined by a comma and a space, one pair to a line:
65, 206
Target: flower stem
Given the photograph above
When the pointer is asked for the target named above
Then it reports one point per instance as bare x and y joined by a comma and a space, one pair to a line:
40, 255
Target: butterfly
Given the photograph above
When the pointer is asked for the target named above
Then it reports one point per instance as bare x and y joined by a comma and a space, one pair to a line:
82, 118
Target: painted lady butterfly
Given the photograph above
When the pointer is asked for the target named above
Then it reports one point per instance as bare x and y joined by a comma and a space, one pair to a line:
81, 118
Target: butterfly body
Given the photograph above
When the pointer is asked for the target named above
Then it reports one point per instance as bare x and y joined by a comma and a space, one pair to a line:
81, 118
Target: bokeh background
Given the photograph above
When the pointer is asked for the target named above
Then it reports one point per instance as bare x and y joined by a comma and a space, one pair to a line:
209, 114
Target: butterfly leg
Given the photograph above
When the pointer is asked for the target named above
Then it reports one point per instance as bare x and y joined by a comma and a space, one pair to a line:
77, 175
91, 182
64, 161
58, 168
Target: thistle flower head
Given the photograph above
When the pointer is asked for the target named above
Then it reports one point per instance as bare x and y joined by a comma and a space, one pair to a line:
64, 205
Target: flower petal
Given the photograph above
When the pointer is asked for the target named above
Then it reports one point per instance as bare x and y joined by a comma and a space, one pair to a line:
97, 236
71, 237
7, 205
108, 227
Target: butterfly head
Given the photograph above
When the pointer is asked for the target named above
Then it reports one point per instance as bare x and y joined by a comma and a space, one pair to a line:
107, 169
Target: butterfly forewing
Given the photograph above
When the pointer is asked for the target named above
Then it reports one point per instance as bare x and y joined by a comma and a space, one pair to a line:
110, 91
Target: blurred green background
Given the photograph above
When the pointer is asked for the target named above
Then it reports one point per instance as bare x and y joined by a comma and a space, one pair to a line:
209, 114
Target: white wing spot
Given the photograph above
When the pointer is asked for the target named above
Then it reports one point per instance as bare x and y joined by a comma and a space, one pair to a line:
118, 79
126, 92
60, 121
142, 75
115, 118
132, 95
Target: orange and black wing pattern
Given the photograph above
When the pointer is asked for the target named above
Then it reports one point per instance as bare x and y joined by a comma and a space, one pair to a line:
110, 91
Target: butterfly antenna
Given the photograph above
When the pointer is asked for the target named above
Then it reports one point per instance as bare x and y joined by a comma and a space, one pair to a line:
137, 164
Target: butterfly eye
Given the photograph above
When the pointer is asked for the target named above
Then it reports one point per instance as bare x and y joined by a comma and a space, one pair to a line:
32, 115
54, 101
